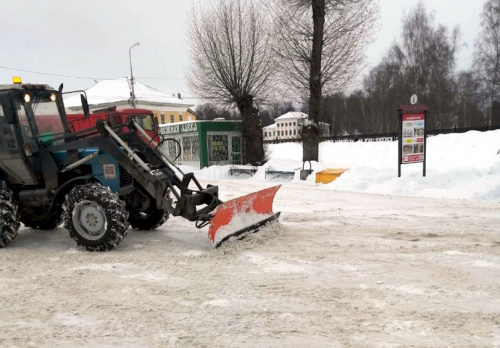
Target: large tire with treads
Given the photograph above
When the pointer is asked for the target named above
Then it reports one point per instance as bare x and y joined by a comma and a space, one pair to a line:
148, 220
41, 222
95, 217
9, 221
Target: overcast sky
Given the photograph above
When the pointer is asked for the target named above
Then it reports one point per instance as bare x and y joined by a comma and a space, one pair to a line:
91, 39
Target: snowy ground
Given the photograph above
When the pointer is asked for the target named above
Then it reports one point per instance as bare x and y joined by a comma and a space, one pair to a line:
341, 269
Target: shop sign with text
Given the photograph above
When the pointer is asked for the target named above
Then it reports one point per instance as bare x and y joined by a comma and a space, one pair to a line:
179, 128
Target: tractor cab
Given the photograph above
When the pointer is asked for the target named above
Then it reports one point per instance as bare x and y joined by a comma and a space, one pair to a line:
30, 116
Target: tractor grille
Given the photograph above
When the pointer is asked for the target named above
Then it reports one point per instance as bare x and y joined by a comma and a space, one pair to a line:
125, 178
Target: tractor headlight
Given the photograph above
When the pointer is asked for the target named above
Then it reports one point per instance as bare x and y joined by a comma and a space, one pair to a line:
27, 98
53, 97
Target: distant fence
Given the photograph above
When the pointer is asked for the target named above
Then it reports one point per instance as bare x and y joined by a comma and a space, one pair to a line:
382, 136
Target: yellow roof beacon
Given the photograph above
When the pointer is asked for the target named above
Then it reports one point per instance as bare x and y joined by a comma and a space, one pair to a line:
16, 80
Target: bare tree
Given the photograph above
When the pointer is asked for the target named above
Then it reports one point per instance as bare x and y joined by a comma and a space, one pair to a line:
426, 55
209, 111
320, 46
422, 63
385, 88
469, 101
232, 62
487, 55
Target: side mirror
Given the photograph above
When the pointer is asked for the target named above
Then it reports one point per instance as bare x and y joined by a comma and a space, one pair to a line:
85, 106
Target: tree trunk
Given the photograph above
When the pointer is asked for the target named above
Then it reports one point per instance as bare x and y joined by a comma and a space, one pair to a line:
495, 115
252, 132
310, 133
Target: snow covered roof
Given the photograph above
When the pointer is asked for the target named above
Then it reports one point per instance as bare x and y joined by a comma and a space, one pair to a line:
115, 91
292, 114
270, 127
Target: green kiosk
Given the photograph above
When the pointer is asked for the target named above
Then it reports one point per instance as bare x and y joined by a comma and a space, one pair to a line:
204, 143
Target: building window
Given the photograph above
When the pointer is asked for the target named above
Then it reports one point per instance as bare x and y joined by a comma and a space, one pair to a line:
218, 148
294, 132
180, 117
172, 119
190, 149
162, 118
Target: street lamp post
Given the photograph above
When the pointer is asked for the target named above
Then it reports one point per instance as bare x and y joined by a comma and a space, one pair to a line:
132, 97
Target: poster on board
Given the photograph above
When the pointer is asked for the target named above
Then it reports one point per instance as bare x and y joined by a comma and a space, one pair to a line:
413, 138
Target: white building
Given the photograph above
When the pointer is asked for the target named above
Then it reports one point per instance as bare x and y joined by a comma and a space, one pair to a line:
289, 126
116, 93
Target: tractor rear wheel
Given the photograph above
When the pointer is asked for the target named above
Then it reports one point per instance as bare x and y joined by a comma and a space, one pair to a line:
95, 217
9, 222
42, 221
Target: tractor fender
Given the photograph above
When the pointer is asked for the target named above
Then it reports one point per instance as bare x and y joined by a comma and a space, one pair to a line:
63, 190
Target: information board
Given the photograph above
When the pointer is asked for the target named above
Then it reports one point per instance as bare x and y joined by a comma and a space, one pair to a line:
413, 129
412, 134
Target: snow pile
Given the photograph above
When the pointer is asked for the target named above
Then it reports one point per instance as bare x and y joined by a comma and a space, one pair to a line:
459, 166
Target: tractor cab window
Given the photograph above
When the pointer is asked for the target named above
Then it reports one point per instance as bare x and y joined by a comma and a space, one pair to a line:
145, 121
7, 135
47, 115
24, 122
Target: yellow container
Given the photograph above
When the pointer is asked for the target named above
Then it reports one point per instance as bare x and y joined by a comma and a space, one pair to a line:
328, 175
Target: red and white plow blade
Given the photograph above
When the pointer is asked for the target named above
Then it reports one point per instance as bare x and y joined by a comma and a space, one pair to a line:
242, 215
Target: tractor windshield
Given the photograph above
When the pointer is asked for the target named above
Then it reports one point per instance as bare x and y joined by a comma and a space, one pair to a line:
47, 116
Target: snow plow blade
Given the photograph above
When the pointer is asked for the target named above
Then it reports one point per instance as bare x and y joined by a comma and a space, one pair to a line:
242, 216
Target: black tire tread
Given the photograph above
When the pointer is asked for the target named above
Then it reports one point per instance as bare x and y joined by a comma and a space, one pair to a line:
9, 222
153, 220
117, 216
49, 223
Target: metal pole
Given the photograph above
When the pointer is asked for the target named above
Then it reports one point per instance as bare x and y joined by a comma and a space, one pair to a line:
131, 74
400, 141
425, 142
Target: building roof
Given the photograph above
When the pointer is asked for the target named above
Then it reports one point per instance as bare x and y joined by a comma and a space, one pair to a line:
118, 90
293, 115
270, 127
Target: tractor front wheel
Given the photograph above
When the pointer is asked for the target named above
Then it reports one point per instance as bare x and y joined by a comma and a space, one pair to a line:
9, 222
95, 217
